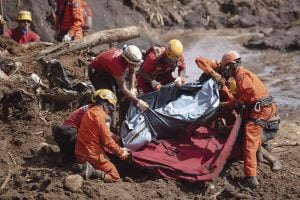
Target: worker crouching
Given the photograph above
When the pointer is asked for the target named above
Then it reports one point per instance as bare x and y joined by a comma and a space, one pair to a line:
94, 138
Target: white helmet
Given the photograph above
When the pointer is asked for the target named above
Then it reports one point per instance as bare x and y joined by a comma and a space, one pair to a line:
132, 54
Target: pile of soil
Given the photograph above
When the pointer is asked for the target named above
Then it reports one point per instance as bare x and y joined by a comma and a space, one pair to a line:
28, 153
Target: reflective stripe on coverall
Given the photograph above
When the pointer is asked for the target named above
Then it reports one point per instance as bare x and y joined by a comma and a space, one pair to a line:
93, 136
72, 18
251, 89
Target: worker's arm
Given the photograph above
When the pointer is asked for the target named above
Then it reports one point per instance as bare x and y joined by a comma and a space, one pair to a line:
122, 86
132, 77
105, 135
77, 17
145, 76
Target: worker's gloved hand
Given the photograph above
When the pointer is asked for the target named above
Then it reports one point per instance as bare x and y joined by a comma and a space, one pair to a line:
133, 91
217, 77
1, 20
179, 81
142, 105
155, 85
67, 38
124, 153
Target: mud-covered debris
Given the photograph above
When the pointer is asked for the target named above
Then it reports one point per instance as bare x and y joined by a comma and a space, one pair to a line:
73, 182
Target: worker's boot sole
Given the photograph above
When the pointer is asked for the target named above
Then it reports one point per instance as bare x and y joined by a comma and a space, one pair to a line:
251, 182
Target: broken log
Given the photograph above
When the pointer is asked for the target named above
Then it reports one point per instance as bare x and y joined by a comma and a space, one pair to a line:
101, 37
5, 181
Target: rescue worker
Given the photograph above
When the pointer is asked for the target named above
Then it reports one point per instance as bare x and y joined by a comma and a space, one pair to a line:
87, 18
69, 20
260, 110
22, 34
160, 63
94, 138
107, 71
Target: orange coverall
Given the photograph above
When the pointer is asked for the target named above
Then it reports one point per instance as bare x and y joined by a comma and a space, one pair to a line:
208, 66
69, 18
251, 89
93, 136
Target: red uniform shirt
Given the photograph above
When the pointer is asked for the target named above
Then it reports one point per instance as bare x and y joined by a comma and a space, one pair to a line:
69, 17
75, 118
156, 67
20, 37
111, 62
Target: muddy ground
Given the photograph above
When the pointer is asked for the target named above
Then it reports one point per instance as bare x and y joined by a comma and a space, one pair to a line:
31, 168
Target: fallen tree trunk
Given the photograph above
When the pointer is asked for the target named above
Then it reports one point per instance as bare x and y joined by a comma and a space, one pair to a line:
101, 37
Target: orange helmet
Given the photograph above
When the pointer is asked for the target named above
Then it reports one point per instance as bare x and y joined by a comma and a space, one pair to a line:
230, 57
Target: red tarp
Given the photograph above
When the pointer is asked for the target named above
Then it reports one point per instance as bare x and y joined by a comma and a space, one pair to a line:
199, 158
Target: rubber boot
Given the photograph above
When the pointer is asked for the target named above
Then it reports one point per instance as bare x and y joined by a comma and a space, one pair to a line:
87, 170
251, 182
99, 174
77, 167
275, 164
259, 155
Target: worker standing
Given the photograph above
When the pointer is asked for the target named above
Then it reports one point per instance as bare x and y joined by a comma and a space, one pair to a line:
260, 109
160, 62
22, 34
69, 20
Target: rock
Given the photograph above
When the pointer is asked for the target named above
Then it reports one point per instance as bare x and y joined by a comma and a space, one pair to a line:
73, 182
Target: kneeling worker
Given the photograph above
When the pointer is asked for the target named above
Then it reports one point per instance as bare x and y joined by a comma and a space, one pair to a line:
94, 137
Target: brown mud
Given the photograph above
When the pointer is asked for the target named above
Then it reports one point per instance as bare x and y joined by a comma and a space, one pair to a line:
28, 153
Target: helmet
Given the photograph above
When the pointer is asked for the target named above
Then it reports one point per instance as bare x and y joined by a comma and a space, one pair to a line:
174, 49
105, 94
230, 57
24, 15
132, 54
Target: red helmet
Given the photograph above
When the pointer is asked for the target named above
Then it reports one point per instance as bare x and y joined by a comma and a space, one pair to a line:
230, 57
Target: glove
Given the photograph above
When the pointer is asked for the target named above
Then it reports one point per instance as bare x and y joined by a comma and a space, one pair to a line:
155, 85
1, 20
124, 153
179, 81
133, 91
67, 38
142, 105
217, 77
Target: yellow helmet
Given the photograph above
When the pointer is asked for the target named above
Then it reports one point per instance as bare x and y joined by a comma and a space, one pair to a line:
174, 49
106, 95
24, 15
